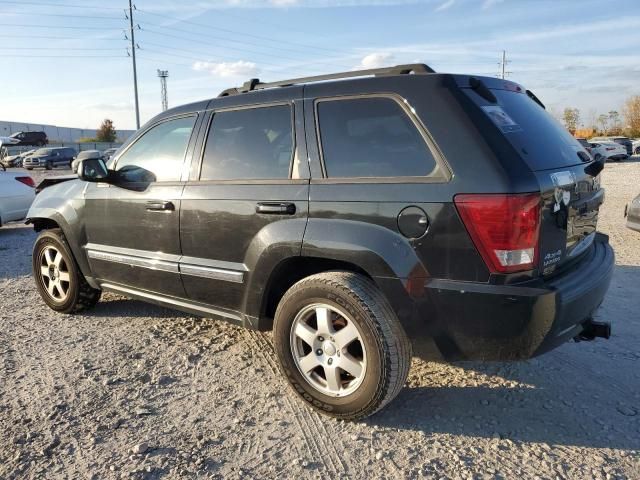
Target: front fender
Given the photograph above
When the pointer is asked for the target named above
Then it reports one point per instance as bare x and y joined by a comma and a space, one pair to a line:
63, 203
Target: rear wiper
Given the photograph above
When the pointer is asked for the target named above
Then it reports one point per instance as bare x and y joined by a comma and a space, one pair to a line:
532, 96
481, 89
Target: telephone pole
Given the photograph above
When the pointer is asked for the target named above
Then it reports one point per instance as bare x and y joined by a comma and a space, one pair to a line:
163, 75
503, 65
133, 57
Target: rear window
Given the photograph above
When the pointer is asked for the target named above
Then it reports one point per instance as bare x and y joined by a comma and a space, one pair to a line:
541, 140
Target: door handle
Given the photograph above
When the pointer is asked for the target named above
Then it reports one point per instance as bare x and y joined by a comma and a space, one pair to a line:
276, 208
160, 206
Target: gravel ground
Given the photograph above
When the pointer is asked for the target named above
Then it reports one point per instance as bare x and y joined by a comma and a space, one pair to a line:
131, 390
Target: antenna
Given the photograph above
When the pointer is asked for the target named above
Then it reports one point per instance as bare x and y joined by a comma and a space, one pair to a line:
163, 75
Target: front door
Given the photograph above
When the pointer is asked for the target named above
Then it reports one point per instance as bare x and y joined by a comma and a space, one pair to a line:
246, 202
132, 228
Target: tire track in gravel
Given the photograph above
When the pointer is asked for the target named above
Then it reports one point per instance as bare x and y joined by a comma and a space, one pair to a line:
316, 435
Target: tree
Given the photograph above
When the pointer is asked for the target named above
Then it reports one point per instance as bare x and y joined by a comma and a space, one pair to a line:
614, 118
603, 121
106, 132
631, 112
571, 119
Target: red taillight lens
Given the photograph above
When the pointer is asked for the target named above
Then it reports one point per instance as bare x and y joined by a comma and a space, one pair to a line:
27, 181
504, 228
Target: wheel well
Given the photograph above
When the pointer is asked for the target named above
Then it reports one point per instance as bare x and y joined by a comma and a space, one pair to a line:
40, 224
288, 272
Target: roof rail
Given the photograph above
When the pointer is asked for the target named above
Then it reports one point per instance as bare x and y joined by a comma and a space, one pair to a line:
255, 84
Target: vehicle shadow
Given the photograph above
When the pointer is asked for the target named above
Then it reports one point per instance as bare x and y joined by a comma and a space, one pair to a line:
583, 394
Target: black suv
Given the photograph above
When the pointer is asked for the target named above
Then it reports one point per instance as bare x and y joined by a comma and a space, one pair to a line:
355, 218
37, 139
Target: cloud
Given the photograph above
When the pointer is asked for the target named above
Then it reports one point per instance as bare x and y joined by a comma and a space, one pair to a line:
446, 5
375, 60
227, 69
110, 107
283, 3
490, 3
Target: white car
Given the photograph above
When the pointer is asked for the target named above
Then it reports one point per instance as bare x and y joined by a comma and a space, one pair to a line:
17, 191
608, 151
83, 156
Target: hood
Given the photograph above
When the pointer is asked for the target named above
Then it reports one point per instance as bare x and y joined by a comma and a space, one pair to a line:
8, 141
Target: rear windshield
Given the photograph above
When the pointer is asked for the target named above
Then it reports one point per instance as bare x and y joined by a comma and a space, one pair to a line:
43, 151
541, 140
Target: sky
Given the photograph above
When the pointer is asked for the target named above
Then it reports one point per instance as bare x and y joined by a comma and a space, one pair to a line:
66, 62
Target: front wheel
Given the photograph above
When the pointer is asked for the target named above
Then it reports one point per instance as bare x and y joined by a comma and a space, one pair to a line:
340, 344
58, 278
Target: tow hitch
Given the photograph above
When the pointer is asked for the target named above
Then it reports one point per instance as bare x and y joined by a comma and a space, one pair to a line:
593, 330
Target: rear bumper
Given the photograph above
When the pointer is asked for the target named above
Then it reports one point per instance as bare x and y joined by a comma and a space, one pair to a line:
498, 322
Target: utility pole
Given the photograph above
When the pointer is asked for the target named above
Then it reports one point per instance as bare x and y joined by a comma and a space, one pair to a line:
163, 75
503, 64
133, 57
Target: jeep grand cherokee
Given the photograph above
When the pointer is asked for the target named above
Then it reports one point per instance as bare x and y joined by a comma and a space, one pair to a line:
354, 218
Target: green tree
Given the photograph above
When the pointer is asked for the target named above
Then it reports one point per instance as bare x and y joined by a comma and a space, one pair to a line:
106, 132
571, 119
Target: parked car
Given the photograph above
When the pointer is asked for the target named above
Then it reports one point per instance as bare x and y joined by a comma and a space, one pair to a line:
624, 141
108, 153
632, 214
83, 156
16, 195
50, 158
608, 151
15, 161
37, 139
585, 143
348, 221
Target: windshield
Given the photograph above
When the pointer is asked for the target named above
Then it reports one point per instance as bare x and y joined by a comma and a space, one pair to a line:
540, 139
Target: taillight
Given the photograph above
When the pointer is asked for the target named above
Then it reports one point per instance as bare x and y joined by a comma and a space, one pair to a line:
28, 181
504, 228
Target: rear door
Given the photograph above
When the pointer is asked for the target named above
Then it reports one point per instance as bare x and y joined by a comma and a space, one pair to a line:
571, 197
246, 202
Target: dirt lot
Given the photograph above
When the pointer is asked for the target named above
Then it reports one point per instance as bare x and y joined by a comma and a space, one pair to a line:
131, 390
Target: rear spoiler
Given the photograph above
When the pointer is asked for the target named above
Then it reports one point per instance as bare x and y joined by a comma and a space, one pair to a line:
48, 182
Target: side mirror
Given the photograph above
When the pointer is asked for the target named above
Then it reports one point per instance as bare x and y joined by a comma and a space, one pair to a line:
93, 170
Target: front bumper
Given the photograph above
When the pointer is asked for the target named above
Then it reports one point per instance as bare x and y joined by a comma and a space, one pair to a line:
509, 322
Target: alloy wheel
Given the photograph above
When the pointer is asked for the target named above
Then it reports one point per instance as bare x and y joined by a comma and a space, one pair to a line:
328, 349
54, 273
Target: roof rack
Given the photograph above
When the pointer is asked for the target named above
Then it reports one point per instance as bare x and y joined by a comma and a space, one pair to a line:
255, 84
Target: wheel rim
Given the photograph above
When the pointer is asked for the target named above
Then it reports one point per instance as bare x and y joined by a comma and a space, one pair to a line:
54, 273
328, 349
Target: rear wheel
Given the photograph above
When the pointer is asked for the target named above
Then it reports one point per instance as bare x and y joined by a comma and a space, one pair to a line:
340, 344
58, 278
49, 165
637, 151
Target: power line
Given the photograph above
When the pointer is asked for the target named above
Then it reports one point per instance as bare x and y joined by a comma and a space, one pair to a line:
53, 37
62, 56
55, 26
65, 5
58, 48
65, 15
242, 50
236, 32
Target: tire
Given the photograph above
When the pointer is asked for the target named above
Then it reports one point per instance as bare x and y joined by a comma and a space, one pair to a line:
637, 151
381, 349
29, 168
49, 165
70, 292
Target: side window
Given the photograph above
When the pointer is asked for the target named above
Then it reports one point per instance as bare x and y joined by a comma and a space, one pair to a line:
159, 154
371, 137
255, 143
